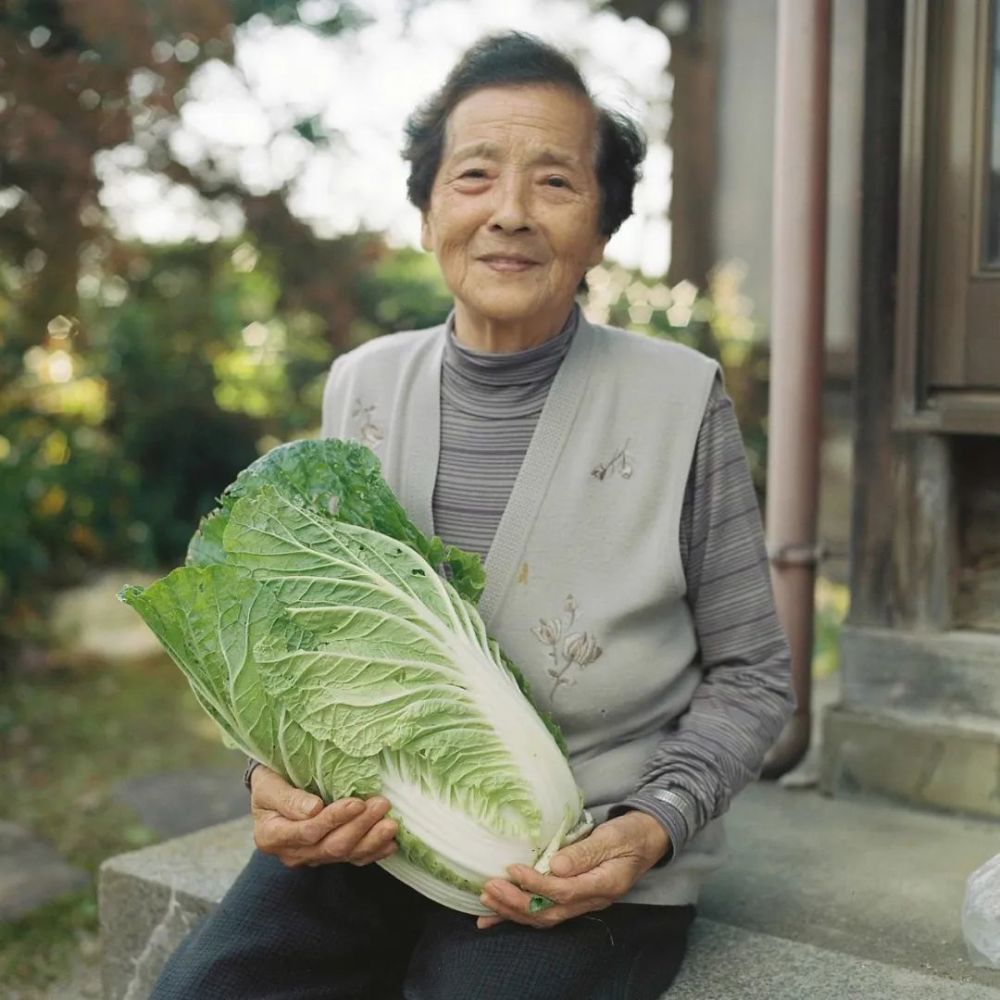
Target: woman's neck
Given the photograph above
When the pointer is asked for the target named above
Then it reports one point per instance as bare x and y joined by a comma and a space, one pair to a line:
481, 333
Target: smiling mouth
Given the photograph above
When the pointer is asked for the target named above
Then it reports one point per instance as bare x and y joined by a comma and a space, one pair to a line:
507, 263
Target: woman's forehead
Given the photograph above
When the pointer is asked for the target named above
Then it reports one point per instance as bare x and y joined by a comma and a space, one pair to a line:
555, 122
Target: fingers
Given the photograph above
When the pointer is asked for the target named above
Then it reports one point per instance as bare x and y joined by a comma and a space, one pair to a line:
559, 890
593, 890
362, 835
378, 843
606, 842
274, 832
386, 847
362, 840
268, 790
604, 881
509, 903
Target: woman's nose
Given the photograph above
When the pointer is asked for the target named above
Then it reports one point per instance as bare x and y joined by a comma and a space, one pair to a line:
511, 211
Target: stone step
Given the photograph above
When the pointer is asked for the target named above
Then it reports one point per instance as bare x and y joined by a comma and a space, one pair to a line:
149, 900
820, 898
731, 963
864, 877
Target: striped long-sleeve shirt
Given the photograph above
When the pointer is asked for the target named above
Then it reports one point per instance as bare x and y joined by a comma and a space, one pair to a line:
490, 404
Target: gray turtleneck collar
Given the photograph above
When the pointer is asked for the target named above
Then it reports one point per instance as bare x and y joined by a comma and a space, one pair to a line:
502, 385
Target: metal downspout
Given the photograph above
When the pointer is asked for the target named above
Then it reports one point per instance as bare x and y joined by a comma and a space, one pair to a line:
794, 422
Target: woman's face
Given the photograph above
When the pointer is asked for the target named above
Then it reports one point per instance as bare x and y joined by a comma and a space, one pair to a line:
514, 207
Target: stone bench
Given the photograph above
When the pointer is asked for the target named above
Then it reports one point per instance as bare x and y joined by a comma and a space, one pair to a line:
820, 899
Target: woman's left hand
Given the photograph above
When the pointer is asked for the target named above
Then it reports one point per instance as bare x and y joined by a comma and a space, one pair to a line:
589, 875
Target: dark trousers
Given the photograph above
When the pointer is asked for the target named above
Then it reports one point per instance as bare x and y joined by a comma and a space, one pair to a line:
345, 933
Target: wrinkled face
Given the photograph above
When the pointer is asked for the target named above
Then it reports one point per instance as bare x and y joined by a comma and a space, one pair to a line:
514, 208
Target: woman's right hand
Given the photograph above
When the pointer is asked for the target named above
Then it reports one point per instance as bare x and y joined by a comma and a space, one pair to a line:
295, 826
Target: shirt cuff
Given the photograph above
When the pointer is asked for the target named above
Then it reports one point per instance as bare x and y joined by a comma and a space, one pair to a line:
673, 808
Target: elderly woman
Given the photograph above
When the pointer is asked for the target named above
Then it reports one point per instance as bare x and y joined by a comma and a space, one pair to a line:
602, 477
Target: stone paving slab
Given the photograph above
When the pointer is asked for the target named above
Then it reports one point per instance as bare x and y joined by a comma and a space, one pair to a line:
174, 803
32, 872
90, 621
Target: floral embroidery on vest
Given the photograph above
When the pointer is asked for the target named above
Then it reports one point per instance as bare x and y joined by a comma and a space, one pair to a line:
567, 649
369, 432
620, 462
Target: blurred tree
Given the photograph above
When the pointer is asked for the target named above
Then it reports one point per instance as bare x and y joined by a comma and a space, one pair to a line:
135, 381
695, 31
81, 76
404, 291
198, 360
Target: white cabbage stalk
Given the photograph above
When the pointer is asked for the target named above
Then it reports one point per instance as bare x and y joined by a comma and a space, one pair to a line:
340, 658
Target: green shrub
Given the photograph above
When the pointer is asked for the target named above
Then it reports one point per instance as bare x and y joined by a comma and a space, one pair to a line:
120, 427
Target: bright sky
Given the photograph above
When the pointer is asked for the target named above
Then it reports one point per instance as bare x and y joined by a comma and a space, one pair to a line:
360, 88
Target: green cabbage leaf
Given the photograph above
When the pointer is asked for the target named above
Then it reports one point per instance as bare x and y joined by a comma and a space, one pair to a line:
343, 479
329, 638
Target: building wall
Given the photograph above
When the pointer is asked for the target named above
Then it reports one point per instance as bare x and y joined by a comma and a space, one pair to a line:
746, 142
746, 160
747, 78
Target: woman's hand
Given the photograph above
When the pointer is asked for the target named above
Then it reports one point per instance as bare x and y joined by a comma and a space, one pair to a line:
295, 826
589, 875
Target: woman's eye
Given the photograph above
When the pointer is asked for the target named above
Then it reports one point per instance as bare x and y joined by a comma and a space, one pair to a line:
475, 173
560, 182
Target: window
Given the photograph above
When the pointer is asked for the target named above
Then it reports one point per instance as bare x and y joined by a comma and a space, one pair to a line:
948, 322
991, 255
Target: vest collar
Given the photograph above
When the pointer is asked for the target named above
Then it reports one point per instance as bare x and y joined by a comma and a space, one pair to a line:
419, 467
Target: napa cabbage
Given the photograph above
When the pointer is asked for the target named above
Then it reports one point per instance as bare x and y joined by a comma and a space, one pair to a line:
329, 638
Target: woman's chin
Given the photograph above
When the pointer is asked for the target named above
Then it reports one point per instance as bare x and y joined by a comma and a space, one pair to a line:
505, 306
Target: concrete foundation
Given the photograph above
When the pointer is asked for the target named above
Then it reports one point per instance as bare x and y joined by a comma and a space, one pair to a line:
927, 762
918, 720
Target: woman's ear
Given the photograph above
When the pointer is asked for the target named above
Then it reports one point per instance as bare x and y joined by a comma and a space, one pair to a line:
597, 251
426, 236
